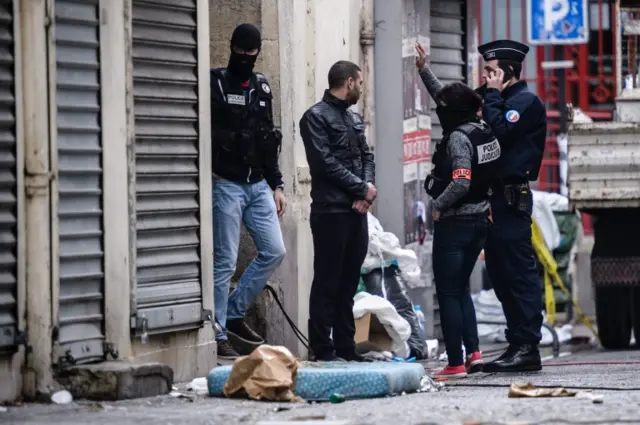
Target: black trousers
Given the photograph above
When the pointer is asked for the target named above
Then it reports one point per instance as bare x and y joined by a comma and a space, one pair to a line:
340, 242
512, 266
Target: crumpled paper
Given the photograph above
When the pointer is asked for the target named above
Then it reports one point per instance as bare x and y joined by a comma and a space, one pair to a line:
428, 385
530, 390
268, 373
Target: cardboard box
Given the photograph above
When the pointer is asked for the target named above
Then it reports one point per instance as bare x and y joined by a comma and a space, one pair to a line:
371, 335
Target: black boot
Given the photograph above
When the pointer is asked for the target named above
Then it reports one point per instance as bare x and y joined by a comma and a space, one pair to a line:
242, 337
508, 352
240, 329
525, 358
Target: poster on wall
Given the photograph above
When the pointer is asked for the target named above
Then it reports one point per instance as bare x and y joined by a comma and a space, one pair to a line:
410, 78
416, 157
416, 139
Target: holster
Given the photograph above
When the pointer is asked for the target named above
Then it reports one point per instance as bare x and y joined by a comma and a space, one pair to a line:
517, 196
435, 185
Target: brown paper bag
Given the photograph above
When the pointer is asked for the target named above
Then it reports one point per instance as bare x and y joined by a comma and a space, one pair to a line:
268, 373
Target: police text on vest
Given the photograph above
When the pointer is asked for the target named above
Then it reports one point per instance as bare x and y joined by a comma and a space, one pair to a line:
488, 152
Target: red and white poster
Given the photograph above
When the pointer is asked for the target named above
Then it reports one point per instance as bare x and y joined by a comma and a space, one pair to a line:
416, 146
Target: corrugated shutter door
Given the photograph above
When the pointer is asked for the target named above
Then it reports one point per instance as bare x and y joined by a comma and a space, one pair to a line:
79, 146
8, 182
447, 49
169, 293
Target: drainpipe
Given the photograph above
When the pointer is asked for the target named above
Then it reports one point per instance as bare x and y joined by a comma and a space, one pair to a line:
367, 38
33, 23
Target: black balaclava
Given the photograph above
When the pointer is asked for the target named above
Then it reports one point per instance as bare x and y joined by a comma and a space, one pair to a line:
457, 105
245, 37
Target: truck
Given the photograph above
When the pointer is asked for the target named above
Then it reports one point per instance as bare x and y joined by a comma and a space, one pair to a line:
603, 160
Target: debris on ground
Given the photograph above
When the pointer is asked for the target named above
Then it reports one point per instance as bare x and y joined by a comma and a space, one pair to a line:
178, 394
428, 385
378, 356
198, 386
61, 397
530, 390
268, 373
3, 409
588, 395
337, 398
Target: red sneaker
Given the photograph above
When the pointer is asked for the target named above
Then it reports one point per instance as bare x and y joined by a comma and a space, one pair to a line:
474, 362
452, 372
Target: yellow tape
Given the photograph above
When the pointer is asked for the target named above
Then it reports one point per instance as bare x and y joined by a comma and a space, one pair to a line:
550, 276
550, 299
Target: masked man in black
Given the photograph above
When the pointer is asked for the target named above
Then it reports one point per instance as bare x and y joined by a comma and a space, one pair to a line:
248, 187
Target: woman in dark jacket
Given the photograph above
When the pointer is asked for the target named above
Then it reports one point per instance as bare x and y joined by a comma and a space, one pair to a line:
459, 186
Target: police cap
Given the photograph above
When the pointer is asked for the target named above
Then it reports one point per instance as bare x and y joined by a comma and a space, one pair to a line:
503, 49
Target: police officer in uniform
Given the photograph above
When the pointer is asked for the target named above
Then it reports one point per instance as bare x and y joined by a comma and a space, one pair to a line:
518, 119
248, 187
463, 164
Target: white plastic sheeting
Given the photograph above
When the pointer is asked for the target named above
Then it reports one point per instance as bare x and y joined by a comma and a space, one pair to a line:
398, 328
489, 310
384, 248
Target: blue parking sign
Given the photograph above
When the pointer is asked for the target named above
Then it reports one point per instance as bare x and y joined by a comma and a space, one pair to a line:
557, 22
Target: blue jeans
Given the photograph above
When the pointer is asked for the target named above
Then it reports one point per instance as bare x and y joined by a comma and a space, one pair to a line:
253, 204
457, 242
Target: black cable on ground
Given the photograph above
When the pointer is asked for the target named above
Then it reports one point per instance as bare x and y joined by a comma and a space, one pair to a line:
572, 387
296, 331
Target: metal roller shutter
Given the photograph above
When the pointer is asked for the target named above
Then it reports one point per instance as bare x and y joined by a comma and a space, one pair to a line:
8, 182
448, 49
165, 83
79, 147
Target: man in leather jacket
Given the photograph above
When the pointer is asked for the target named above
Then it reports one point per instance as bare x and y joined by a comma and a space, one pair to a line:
342, 172
247, 188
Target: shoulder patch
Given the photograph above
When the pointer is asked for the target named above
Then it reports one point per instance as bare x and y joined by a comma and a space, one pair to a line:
265, 88
512, 116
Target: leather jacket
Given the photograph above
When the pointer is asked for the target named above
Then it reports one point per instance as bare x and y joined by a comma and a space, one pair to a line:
340, 162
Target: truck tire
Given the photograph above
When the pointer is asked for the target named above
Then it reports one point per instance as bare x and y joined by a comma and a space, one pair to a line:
613, 316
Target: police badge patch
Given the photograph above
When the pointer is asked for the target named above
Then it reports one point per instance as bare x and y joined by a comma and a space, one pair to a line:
266, 88
512, 116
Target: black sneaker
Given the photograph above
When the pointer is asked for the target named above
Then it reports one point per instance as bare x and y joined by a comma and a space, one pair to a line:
241, 330
226, 351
